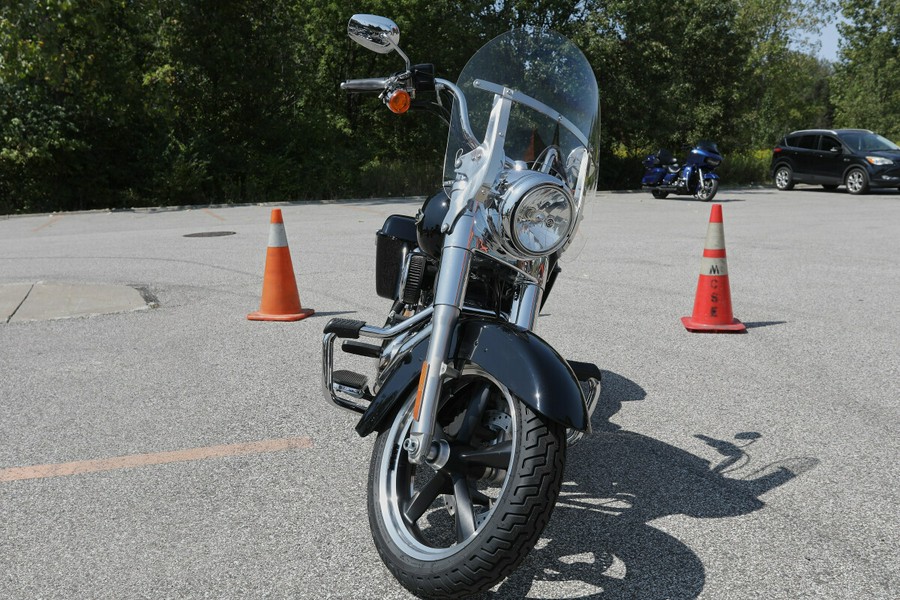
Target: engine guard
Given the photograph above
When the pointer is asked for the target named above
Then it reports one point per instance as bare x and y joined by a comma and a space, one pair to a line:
527, 365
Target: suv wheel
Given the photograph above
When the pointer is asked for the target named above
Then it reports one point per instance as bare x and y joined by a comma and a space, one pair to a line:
857, 182
784, 178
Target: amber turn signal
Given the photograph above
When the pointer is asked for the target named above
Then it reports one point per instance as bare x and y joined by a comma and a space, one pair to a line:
399, 101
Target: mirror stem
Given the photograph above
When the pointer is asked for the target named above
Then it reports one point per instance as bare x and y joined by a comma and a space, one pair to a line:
401, 53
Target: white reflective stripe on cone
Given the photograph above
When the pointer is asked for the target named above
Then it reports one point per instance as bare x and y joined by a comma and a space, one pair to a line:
277, 236
715, 237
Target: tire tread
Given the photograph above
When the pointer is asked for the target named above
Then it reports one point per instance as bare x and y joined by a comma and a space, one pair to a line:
528, 509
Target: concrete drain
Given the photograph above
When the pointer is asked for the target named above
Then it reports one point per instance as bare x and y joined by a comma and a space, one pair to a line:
209, 234
42, 301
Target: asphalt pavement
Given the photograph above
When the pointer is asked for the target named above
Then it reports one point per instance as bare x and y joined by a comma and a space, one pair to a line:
154, 443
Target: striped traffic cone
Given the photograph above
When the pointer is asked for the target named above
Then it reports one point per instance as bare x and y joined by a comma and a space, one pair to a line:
712, 304
280, 299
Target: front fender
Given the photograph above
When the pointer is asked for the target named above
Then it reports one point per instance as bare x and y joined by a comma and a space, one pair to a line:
527, 365
707, 175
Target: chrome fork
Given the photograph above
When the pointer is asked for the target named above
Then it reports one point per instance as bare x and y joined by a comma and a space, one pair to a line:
456, 261
476, 172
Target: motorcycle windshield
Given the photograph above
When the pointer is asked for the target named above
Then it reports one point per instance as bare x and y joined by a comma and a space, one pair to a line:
709, 146
548, 68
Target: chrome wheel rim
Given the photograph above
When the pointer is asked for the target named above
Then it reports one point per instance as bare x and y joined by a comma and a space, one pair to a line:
426, 532
855, 181
782, 178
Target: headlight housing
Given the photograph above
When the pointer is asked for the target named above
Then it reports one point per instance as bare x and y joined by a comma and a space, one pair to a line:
537, 214
879, 160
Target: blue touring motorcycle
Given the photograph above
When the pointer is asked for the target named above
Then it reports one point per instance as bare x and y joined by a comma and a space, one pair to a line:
696, 177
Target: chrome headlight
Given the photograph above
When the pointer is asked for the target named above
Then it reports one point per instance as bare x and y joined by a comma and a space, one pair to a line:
537, 214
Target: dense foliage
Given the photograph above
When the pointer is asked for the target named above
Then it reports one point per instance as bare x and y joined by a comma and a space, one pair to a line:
119, 103
867, 81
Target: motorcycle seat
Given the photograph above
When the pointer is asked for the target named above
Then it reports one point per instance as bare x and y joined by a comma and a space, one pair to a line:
665, 157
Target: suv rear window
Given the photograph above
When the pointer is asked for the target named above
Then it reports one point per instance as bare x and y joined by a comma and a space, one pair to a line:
809, 142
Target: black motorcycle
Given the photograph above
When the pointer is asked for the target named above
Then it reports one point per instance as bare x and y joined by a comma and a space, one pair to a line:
472, 409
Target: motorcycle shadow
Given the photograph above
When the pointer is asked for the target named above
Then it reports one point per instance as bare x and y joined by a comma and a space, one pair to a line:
599, 543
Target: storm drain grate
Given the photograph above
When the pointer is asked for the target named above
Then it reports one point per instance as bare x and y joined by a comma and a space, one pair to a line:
209, 234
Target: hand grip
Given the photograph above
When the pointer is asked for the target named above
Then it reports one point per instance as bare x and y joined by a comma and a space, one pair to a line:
375, 84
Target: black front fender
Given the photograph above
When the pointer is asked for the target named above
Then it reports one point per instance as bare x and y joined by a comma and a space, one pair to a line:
527, 365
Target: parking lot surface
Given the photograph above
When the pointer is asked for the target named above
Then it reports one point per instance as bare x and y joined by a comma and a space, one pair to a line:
182, 451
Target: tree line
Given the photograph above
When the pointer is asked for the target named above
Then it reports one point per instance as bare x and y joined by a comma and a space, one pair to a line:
122, 103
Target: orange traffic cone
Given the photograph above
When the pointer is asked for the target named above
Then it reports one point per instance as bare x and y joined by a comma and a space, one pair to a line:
280, 300
712, 305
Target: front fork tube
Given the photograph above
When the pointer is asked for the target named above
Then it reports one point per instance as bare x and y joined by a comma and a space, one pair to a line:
527, 303
456, 260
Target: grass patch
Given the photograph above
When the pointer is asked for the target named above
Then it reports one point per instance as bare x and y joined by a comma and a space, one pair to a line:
751, 168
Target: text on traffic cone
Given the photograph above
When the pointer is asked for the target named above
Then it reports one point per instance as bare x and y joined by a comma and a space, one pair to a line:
712, 303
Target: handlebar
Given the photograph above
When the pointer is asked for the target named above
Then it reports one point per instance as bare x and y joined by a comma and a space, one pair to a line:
374, 84
380, 84
460, 98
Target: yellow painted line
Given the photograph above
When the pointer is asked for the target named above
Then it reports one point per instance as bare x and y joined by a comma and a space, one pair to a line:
154, 458
212, 214
47, 223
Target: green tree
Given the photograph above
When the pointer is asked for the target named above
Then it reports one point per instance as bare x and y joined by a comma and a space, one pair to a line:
786, 86
113, 103
73, 129
667, 75
865, 88
224, 79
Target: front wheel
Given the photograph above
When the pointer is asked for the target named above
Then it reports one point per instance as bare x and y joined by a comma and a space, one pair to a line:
857, 182
463, 522
708, 189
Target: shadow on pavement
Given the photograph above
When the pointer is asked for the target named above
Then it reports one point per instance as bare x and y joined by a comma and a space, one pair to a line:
755, 324
600, 544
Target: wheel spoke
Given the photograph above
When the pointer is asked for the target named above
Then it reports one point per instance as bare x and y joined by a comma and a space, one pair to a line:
496, 456
472, 418
426, 496
465, 516
480, 498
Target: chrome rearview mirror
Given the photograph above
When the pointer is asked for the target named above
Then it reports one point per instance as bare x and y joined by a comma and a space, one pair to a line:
374, 33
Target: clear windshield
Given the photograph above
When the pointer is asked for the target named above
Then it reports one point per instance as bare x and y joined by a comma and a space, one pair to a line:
867, 142
708, 145
548, 68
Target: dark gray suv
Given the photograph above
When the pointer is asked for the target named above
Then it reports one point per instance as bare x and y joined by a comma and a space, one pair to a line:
856, 158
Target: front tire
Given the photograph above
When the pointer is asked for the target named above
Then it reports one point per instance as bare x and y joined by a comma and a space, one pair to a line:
458, 529
784, 178
708, 189
857, 182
